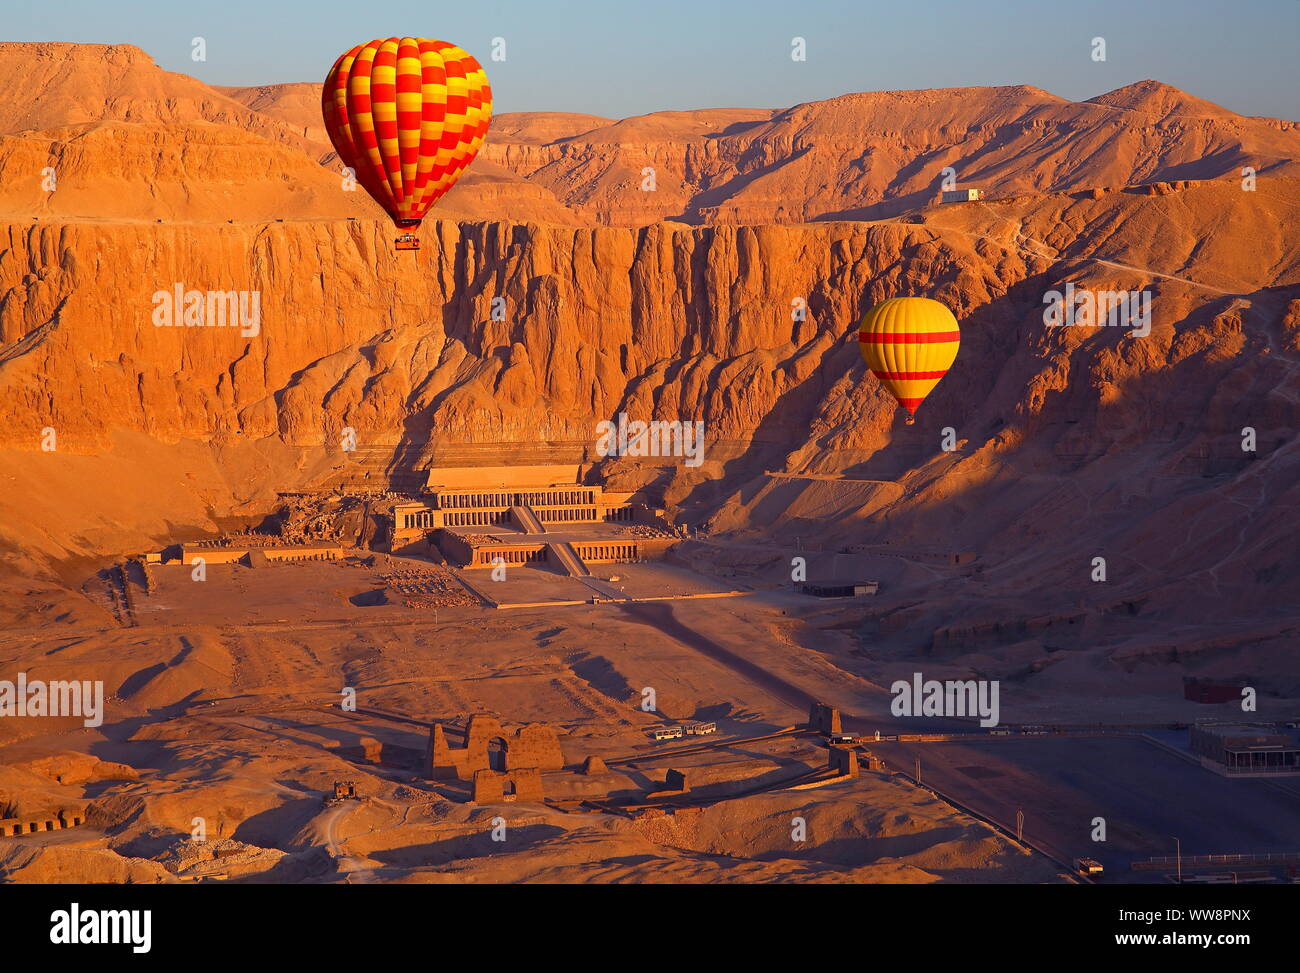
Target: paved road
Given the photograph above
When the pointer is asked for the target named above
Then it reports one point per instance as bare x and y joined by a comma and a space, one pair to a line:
1147, 796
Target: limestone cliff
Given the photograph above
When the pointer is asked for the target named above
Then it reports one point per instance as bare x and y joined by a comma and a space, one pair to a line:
665, 321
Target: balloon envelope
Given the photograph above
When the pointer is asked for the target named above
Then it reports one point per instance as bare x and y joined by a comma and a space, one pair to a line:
407, 115
909, 343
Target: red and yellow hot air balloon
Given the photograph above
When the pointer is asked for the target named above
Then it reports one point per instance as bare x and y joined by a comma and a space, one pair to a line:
909, 344
407, 115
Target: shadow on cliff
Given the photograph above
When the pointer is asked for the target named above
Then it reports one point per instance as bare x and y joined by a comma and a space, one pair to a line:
1121, 421
985, 339
966, 399
694, 213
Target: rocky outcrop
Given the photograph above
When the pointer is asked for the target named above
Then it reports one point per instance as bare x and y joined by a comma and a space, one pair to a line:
508, 333
53, 85
865, 155
877, 154
98, 131
509, 340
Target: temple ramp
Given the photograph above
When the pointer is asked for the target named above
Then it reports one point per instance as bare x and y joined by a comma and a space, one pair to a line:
527, 521
567, 558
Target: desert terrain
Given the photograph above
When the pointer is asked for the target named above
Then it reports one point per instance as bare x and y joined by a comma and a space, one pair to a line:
224, 697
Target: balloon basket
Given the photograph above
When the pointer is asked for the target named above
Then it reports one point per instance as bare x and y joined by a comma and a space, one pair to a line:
910, 421
407, 241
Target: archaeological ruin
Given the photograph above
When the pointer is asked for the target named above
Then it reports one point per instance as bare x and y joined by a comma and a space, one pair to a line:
50, 821
482, 516
534, 746
824, 719
495, 787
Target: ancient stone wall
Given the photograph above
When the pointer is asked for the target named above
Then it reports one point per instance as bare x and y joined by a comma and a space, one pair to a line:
843, 761
489, 787
824, 719
51, 821
493, 787
532, 747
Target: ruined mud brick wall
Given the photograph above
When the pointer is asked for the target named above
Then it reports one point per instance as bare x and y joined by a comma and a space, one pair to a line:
52, 821
528, 784
443, 762
446, 761
843, 761
480, 731
489, 787
535, 746
824, 719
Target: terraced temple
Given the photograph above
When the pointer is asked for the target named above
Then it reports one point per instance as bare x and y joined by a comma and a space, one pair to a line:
481, 516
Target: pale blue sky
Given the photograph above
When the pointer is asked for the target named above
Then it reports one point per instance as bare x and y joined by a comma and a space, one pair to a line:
626, 57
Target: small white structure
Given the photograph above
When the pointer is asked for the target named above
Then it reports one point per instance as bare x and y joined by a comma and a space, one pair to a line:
962, 195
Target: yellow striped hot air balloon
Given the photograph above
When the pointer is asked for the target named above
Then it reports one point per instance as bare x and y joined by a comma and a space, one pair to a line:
407, 115
909, 343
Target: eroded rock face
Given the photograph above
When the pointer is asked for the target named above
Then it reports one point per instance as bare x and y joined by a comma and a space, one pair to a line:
557, 292
98, 131
876, 154
58, 84
671, 322
865, 155
662, 322
507, 339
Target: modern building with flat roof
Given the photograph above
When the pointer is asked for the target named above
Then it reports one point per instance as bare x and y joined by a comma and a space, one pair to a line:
840, 589
1245, 749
